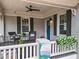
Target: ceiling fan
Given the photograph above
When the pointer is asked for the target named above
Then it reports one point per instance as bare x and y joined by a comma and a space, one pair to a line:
30, 8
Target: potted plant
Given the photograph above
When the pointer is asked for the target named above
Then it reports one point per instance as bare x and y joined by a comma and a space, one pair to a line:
21, 41
23, 34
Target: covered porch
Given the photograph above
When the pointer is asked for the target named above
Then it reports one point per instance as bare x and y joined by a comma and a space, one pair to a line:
48, 23
45, 22
44, 27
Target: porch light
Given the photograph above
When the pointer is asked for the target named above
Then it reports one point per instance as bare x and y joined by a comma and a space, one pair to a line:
51, 21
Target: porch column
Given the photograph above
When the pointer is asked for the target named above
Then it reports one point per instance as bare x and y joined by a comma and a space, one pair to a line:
31, 24
2, 20
55, 24
69, 18
3, 28
1, 25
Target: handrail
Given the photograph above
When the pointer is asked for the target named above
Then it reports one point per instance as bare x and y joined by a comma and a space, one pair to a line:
15, 46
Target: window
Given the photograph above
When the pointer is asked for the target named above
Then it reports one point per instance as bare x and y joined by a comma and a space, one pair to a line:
25, 25
63, 24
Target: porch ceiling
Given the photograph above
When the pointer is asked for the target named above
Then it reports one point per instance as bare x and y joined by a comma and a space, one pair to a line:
18, 6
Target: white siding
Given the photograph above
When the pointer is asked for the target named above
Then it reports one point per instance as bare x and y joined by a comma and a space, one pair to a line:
75, 26
11, 24
39, 27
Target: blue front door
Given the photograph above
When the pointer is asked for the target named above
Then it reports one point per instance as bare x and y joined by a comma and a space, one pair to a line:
48, 29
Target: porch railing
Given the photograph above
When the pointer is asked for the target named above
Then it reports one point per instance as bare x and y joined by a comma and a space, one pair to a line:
22, 51
58, 50
31, 50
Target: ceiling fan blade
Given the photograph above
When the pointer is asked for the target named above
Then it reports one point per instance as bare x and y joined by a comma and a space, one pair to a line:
31, 9
27, 10
35, 10
27, 7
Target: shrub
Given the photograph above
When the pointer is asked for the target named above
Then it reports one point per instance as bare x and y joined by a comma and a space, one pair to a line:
66, 40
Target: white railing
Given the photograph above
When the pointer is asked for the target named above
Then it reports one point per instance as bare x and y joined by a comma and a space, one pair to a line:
31, 50
22, 51
58, 50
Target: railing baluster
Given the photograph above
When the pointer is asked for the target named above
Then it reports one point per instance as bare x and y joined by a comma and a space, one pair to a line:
0, 54
22, 52
4, 56
53, 48
64, 47
26, 51
9, 53
30, 51
37, 50
57, 48
18, 53
34, 50
14, 53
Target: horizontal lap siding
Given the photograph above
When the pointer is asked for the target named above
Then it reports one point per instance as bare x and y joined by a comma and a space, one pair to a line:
39, 27
11, 24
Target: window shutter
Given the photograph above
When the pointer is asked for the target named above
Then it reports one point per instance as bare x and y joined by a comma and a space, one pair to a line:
31, 24
69, 17
55, 24
18, 25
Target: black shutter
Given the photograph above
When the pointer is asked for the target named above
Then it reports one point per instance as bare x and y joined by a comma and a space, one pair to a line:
69, 17
31, 24
55, 24
19, 25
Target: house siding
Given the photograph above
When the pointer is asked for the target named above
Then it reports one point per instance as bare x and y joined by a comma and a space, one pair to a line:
39, 27
75, 24
11, 24
75, 27
52, 36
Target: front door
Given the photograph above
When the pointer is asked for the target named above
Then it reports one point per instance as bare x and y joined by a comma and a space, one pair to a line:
48, 29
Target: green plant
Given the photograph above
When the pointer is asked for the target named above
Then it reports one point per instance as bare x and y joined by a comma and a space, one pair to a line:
21, 41
66, 40
71, 40
23, 34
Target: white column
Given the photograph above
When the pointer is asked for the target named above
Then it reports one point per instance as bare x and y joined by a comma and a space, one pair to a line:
1, 25
45, 28
58, 25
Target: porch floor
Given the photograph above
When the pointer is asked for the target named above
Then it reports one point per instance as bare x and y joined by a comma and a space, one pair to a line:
72, 55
